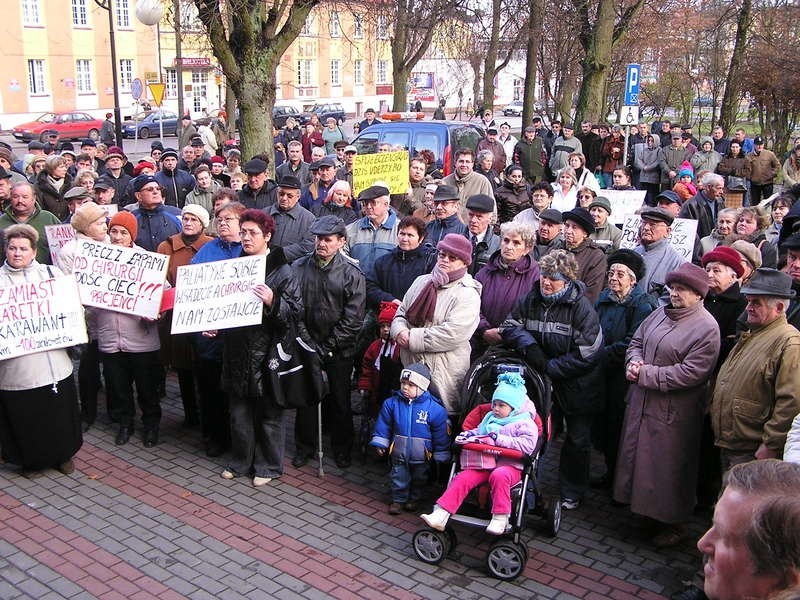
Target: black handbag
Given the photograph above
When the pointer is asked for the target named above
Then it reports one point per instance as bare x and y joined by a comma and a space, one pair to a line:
294, 368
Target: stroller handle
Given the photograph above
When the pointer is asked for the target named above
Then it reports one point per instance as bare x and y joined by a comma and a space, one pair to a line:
494, 450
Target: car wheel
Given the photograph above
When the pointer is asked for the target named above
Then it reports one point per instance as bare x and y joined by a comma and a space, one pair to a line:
94, 134
340, 120
144, 133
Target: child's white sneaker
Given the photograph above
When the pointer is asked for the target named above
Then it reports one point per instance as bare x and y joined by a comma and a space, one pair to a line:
498, 525
437, 519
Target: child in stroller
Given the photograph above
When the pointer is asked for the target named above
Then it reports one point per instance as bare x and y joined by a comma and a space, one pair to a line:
510, 424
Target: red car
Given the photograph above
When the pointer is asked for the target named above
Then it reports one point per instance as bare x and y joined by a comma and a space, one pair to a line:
69, 125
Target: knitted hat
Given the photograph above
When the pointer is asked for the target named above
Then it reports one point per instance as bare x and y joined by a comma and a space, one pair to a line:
115, 151
169, 153
727, 256
85, 215
125, 219
602, 202
418, 374
458, 246
217, 160
386, 312
511, 390
686, 170
749, 252
630, 259
198, 211
691, 276
141, 166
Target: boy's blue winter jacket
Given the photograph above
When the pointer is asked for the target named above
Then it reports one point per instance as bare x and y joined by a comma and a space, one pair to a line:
415, 429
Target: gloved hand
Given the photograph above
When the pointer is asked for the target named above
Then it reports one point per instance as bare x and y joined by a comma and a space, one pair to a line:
535, 357
465, 437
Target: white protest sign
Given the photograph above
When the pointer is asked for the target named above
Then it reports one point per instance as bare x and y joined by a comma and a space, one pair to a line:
623, 202
57, 237
218, 295
681, 238
126, 280
40, 315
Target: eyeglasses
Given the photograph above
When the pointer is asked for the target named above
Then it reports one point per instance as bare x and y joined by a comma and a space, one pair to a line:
151, 188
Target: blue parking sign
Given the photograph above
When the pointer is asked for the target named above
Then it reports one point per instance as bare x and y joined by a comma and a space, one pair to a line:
632, 85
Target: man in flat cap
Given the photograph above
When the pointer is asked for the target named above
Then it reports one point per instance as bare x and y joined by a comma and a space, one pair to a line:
259, 191
292, 221
659, 256
375, 234
74, 197
485, 241
334, 295
446, 219
314, 193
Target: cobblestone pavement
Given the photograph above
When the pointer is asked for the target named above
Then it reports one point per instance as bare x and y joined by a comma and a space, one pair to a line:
136, 523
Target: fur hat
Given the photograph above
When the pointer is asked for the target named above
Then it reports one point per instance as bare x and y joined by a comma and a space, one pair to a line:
632, 260
457, 245
86, 214
511, 390
198, 211
691, 276
418, 374
125, 219
727, 256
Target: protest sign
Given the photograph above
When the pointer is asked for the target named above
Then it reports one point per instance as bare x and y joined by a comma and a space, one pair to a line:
126, 280
109, 209
57, 237
218, 295
681, 238
623, 202
390, 168
40, 315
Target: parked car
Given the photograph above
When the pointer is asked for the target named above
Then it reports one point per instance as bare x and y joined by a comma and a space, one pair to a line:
209, 118
281, 113
703, 101
514, 109
323, 111
69, 125
150, 124
441, 137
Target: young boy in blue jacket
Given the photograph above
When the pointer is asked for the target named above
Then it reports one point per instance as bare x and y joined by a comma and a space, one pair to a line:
413, 428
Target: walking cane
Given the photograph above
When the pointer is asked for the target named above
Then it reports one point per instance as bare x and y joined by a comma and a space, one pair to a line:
321, 472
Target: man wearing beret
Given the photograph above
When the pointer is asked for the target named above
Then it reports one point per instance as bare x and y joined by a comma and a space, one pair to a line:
756, 395
292, 221
175, 182
155, 222
259, 191
334, 295
375, 234
659, 257
485, 241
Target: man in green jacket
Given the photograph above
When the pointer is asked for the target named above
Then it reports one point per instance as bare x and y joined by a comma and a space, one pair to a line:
528, 154
24, 209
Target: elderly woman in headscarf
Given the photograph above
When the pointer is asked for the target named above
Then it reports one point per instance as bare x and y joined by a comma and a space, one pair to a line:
338, 202
622, 307
668, 362
438, 316
556, 329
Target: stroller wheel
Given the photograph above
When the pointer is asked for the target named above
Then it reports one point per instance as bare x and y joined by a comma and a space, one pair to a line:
431, 546
506, 559
553, 517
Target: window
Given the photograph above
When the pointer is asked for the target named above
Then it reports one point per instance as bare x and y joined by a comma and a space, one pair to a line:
380, 76
335, 72
125, 74
308, 26
358, 72
305, 70
36, 84
358, 26
83, 75
171, 81
123, 10
383, 27
80, 16
334, 26
199, 89
31, 13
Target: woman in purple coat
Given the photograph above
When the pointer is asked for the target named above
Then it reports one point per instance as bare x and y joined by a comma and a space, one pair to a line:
669, 362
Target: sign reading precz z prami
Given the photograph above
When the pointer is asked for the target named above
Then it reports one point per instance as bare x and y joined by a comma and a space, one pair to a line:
120, 279
40, 315
218, 295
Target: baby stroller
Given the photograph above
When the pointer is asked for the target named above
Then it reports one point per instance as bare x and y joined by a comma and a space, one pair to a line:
507, 556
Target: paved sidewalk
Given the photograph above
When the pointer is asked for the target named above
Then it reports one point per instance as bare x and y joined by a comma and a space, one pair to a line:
137, 523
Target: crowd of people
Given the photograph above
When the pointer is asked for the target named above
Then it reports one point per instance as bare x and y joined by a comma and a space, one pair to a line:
675, 370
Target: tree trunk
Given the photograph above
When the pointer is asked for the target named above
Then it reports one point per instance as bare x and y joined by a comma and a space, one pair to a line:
475, 63
400, 77
596, 65
490, 61
536, 10
730, 99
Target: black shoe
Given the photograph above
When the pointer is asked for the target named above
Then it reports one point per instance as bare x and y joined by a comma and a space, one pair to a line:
301, 459
690, 593
343, 461
150, 437
123, 435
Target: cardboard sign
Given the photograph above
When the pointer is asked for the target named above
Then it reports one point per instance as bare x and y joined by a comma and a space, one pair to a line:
40, 315
390, 168
57, 237
681, 238
623, 202
120, 279
218, 295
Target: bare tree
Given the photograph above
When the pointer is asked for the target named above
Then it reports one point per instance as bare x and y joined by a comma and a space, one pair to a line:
535, 23
731, 97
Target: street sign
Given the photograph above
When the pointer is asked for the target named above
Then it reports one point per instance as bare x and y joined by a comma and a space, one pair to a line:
629, 115
632, 85
137, 88
157, 89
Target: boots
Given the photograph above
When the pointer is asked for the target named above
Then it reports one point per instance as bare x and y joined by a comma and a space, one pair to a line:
437, 519
498, 525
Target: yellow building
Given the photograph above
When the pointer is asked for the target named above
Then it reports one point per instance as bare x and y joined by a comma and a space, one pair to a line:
56, 57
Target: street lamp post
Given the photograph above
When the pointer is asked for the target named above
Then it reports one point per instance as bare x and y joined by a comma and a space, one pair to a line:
107, 5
